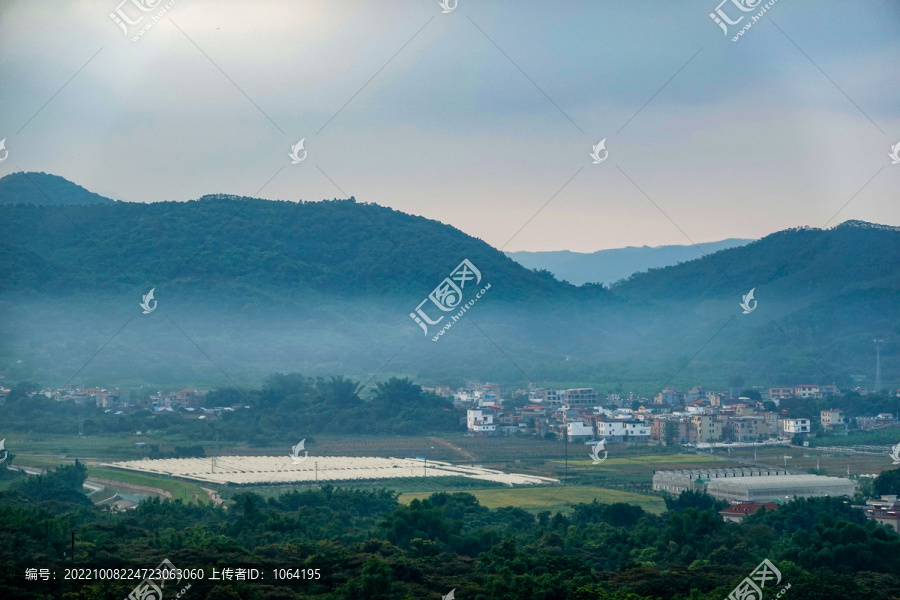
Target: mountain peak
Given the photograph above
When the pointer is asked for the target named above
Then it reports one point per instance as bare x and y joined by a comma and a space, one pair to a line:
857, 224
41, 188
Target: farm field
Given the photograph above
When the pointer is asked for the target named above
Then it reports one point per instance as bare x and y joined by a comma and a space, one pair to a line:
631, 469
830, 462
633, 472
554, 499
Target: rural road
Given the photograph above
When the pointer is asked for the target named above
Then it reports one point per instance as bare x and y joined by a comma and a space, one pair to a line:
447, 444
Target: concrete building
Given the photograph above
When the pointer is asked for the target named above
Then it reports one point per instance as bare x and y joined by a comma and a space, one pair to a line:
866, 422
794, 426
624, 431
748, 429
547, 397
780, 393
480, 421
637, 431
778, 487
580, 397
671, 429
832, 417
579, 429
807, 391
709, 429
669, 396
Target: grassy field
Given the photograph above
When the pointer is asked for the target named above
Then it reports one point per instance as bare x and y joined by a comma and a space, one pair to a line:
181, 490
829, 462
656, 461
401, 485
554, 499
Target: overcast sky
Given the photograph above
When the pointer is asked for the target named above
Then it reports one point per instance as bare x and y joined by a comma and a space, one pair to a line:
482, 118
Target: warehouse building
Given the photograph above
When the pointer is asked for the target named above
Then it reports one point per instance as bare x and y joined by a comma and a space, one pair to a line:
778, 487
682, 480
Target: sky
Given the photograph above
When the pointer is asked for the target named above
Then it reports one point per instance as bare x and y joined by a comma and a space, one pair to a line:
483, 117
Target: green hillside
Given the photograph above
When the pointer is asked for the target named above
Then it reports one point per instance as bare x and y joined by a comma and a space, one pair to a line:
45, 189
785, 266
247, 287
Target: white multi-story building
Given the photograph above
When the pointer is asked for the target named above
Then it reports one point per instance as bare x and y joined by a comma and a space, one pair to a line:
795, 426
611, 429
624, 431
480, 421
579, 428
637, 431
807, 391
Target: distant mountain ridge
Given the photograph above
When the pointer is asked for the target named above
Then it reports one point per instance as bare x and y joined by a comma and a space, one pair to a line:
45, 189
248, 287
609, 266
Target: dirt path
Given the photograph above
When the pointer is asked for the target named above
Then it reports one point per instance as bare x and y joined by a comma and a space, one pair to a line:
213, 495
131, 487
447, 444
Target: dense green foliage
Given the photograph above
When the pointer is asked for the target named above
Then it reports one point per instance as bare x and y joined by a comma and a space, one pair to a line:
284, 407
374, 548
888, 483
62, 484
851, 403
694, 499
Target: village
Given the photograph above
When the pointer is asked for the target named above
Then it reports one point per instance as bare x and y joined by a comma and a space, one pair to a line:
698, 417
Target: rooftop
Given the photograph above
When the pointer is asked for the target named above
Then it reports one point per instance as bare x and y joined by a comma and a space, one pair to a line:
765, 482
748, 508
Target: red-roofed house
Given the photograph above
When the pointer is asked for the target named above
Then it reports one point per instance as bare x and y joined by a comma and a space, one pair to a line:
737, 512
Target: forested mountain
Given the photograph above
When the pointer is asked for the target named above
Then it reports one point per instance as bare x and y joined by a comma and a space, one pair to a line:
246, 287
796, 263
45, 189
609, 266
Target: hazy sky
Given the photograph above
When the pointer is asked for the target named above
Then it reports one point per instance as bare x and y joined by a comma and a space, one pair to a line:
478, 117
